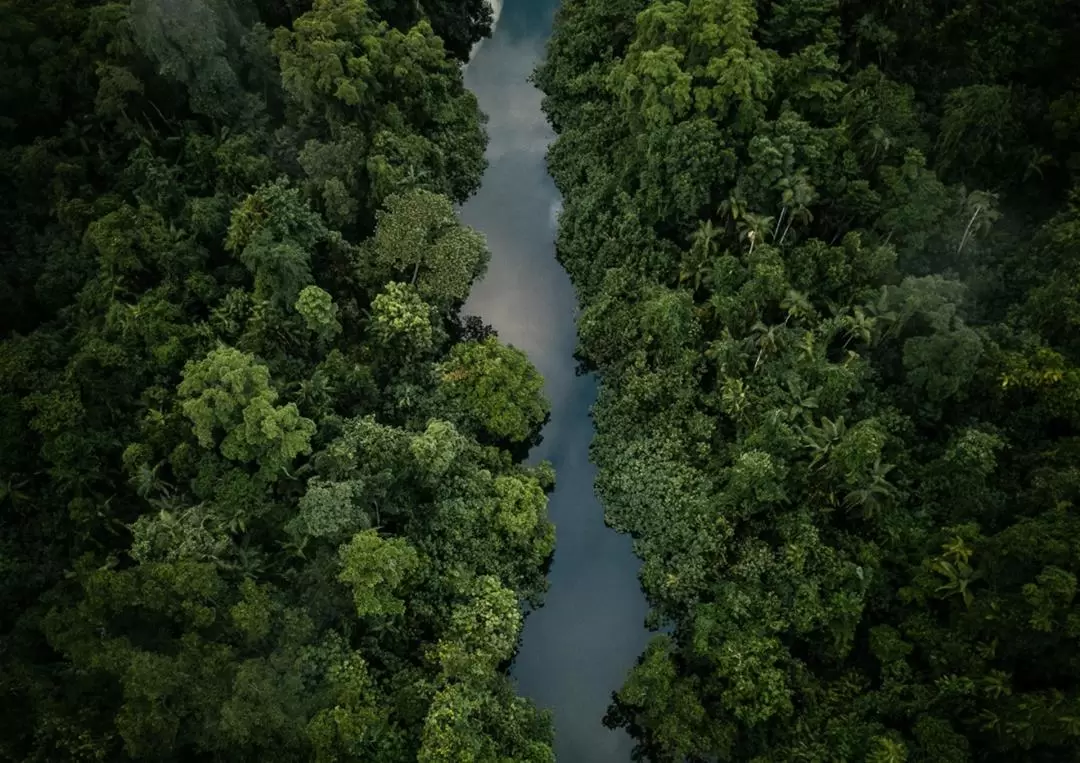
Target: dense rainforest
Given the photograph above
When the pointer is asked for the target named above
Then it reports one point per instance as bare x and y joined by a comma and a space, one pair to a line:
261, 491
261, 484
829, 259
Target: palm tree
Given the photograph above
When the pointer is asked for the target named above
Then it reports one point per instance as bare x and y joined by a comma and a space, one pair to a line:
820, 440
800, 213
798, 306
801, 401
753, 227
696, 271
957, 549
883, 313
695, 265
766, 339
880, 140
247, 560
704, 238
1036, 161
996, 684
981, 203
887, 751
149, 484
731, 208
797, 194
958, 579
874, 495
316, 392
859, 325
411, 179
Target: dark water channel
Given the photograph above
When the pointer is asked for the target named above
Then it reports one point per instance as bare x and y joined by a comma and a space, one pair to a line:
578, 647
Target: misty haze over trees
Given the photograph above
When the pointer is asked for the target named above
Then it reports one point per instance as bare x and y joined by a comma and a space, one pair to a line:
262, 484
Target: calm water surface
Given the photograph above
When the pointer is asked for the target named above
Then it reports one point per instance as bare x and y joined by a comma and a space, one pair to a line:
578, 647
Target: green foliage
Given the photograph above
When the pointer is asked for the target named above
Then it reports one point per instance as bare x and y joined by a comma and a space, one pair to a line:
494, 389
401, 320
482, 633
418, 236
437, 448
826, 253
380, 109
189, 44
229, 390
319, 311
238, 519
329, 509
374, 568
460, 23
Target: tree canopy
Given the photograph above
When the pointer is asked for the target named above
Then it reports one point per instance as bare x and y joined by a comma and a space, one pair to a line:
827, 255
259, 497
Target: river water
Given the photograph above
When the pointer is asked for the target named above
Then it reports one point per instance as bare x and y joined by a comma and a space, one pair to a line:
578, 647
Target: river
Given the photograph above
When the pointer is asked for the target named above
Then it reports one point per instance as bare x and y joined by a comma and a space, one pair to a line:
578, 647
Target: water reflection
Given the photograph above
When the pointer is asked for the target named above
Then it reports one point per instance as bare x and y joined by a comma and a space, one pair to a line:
578, 647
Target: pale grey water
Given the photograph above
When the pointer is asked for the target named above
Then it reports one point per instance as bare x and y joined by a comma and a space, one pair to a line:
578, 647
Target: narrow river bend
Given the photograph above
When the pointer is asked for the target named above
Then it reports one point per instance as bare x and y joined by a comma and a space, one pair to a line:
578, 647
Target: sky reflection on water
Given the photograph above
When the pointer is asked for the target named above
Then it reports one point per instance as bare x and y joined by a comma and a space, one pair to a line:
577, 648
